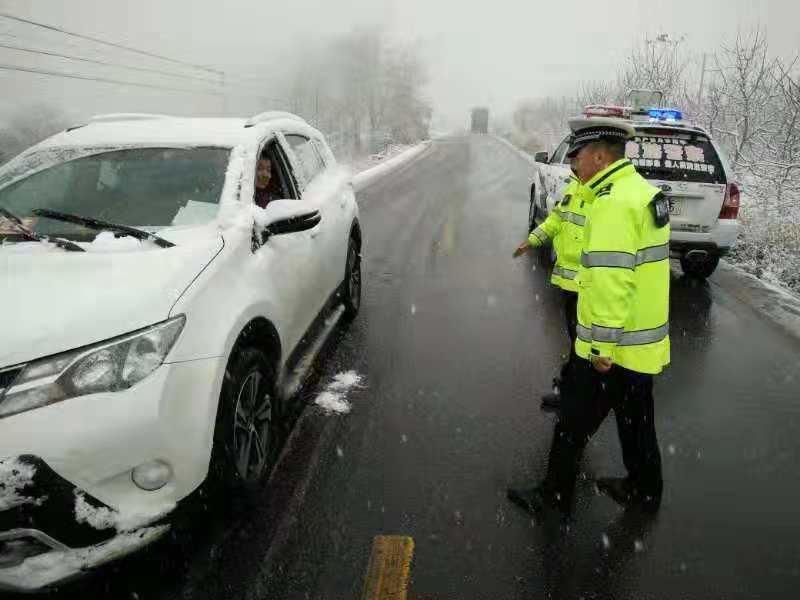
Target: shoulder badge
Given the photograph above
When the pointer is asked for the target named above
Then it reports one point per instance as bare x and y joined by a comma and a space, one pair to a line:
659, 205
604, 191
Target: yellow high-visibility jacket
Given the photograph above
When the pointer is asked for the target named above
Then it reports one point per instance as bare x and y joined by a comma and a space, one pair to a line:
623, 281
563, 227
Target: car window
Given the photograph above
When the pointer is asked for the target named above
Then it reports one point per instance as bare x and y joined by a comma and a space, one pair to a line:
675, 156
139, 187
321, 154
559, 156
310, 162
283, 184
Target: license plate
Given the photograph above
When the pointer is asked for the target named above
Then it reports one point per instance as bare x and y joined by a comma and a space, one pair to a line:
675, 206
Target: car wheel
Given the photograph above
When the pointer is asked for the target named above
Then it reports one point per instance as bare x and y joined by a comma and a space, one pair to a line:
351, 286
532, 211
246, 440
699, 268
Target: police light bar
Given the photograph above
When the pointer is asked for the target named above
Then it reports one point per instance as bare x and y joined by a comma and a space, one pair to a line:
601, 110
665, 114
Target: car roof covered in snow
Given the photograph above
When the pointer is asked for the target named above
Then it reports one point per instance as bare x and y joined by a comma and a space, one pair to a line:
135, 129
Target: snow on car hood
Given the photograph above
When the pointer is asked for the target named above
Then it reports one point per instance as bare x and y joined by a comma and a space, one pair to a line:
53, 301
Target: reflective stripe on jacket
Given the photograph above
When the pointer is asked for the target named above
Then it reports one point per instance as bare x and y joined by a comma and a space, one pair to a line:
564, 229
623, 281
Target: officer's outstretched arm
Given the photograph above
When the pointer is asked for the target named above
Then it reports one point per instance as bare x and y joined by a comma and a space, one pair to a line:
610, 258
548, 230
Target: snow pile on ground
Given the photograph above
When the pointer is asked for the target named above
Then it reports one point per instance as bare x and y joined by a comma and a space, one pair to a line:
334, 398
105, 518
15, 476
47, 568
385, 163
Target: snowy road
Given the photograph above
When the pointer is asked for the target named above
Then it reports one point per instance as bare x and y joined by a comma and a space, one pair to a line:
454, 343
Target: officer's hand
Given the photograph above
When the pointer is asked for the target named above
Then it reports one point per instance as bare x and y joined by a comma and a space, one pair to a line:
602, 364
522, 249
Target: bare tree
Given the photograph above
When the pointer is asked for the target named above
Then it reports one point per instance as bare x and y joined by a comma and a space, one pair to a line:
655, 64
748, 89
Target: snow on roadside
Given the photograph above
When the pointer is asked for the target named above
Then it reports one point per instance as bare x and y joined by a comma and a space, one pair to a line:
15, 476
384, 167
524, 155
334, 398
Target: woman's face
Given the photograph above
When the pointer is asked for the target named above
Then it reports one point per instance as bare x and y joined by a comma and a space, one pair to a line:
263, 173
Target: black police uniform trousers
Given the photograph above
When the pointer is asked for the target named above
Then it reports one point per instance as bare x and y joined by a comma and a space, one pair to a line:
586, 399
570, 305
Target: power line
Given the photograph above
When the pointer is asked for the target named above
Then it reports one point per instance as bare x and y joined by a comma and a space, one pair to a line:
106, 63
105, 80
225, 84
4, 67
107, 43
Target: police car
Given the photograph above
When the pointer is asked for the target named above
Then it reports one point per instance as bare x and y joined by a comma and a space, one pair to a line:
676, 156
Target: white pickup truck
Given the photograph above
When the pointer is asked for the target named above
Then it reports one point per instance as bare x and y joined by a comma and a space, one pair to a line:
686, 164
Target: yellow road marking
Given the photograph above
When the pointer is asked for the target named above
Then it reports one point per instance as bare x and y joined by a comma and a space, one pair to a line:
389, 568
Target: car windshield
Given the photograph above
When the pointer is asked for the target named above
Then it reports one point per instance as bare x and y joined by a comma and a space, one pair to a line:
150, 188
675, 156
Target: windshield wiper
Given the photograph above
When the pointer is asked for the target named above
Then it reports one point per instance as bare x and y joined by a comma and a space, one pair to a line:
139, 234
17, 222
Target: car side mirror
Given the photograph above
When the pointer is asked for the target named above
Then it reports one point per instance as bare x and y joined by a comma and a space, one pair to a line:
285, 216
540, 157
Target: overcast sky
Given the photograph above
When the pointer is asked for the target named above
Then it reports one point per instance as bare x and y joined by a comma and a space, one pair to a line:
492, 53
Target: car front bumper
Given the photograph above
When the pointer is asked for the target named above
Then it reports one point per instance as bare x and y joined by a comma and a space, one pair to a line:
68, 467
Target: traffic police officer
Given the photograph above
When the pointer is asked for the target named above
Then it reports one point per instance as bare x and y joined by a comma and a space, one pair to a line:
563, 228
623, 324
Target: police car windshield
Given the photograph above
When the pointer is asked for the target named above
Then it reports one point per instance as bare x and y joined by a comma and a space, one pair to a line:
675, 156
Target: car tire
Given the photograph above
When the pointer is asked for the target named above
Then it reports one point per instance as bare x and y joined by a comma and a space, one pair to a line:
700, 269
351, 286
246, 434
532, 211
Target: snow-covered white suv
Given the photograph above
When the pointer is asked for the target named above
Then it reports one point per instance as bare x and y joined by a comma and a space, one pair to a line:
691, 169
154, 322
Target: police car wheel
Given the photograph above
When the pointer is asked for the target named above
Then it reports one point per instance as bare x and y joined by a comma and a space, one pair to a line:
699, 268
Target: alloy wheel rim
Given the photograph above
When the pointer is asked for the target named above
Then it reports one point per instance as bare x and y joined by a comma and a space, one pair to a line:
355, 279
252, 427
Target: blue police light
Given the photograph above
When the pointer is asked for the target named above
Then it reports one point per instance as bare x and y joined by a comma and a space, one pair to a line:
665, 114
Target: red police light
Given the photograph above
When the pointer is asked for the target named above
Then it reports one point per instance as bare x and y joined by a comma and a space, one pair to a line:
602, 110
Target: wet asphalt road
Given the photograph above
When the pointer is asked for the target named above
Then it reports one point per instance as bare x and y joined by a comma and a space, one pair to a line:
455, 342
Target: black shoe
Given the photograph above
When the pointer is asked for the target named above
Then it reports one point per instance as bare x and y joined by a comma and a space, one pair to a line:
551, 402
624, 493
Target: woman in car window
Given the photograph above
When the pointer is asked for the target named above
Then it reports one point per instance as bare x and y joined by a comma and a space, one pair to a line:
267, 188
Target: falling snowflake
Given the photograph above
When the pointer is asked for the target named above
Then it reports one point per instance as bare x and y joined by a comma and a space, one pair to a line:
606, 542
404, 438
339, 451
413, 309
638, 545
671, 449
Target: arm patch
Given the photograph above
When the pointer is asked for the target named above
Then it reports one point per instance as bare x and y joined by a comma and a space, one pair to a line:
659, 205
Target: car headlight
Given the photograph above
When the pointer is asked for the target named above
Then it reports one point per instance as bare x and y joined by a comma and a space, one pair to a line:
110, 366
